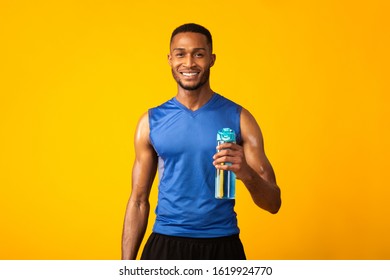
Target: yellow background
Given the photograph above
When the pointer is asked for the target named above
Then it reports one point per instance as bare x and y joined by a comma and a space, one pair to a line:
76, 75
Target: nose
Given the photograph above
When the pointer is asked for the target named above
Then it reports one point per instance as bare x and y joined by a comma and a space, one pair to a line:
189, 61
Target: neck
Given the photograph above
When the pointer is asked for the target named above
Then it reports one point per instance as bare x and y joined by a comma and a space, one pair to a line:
194, 99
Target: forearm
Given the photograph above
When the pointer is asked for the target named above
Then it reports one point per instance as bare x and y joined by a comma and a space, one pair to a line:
134, 228
265, 193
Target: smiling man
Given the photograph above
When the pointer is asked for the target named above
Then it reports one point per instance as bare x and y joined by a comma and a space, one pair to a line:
178, 139
194, 73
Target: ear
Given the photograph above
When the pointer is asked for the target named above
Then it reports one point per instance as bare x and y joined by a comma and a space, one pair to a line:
170, 59
213, 58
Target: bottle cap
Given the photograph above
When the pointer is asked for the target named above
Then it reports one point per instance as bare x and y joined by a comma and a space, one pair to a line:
226, 135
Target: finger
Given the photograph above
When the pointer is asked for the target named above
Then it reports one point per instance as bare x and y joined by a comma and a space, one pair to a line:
221, 158
232, 146
229, 159
233, 167
229, 152
222, 166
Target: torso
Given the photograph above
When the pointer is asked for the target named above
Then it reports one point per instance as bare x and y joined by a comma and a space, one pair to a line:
185, 143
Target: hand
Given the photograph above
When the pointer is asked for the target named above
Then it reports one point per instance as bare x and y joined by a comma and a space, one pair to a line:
233, 153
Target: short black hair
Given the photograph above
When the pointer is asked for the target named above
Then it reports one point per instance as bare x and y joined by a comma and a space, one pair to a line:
195, 28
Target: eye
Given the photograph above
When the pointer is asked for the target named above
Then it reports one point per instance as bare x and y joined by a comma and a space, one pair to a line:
179, 54
199, 55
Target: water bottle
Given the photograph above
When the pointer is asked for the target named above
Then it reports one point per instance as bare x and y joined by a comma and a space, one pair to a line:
225, 180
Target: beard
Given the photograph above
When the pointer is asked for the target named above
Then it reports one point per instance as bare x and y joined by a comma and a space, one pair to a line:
203, 80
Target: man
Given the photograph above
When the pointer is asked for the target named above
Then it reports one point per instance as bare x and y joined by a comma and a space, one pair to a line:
178, 138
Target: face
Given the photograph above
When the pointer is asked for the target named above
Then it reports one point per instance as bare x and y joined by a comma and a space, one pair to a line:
190, 59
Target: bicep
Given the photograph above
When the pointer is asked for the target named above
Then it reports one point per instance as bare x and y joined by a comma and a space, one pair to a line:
253, 145
145, 163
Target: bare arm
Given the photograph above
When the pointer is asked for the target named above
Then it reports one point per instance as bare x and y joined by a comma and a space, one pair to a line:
251, 165
137, 212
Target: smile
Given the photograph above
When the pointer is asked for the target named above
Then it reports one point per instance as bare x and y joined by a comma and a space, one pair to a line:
189, 74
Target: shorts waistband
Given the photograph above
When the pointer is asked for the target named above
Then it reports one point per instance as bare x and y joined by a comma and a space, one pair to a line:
198, 240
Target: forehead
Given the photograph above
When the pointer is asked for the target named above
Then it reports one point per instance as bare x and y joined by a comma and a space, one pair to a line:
189, 40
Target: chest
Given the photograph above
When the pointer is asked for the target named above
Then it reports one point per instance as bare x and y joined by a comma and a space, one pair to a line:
181, 134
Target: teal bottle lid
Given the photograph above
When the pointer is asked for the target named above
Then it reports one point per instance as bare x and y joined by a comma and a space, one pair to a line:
226, 135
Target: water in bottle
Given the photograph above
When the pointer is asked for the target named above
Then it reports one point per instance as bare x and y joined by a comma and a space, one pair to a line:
225, 180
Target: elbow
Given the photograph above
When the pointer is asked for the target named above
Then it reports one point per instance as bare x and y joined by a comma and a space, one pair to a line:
272, 206
277, 203
275, 210
270, 201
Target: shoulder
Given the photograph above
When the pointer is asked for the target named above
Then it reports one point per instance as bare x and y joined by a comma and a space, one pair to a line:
144, 119
142, 130
250, 129
162, 110
222, 99
228, 106
246, 116
169, 103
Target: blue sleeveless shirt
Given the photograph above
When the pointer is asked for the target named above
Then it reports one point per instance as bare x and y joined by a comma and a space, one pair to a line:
185, 142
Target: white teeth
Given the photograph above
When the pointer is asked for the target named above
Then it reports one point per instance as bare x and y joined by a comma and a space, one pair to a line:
189, 74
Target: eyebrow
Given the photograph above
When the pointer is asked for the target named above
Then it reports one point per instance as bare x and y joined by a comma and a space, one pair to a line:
183, 49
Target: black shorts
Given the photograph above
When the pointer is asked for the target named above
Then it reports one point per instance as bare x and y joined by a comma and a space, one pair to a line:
164, 247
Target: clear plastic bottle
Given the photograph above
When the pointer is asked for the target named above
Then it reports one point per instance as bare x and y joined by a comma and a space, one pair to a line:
225, 180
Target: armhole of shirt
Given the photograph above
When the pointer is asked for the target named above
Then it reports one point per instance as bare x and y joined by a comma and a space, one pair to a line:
239, 138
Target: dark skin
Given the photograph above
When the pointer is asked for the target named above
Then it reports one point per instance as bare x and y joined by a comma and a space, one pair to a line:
190, 59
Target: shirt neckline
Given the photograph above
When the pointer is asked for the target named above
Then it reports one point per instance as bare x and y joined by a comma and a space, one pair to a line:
213, 98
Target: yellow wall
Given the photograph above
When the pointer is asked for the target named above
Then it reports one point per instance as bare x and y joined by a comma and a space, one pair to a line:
76, 75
